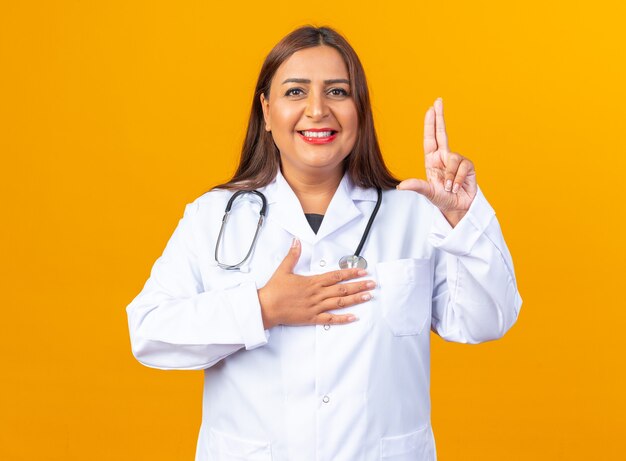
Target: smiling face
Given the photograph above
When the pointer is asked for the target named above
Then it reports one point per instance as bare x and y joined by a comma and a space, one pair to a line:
311, 113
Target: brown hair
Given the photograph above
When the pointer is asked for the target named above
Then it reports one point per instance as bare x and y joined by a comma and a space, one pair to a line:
260, 158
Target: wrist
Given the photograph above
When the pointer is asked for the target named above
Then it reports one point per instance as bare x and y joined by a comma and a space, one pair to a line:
453, 217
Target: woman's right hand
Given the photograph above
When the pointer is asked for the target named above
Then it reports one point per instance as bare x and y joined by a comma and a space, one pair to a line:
290, 299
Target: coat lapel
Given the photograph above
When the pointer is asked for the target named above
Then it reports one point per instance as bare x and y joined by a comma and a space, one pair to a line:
285, 210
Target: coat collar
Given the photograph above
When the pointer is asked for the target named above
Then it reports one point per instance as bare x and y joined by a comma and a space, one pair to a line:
284, 208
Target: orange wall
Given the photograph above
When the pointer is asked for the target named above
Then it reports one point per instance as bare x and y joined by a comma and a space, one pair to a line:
114, 114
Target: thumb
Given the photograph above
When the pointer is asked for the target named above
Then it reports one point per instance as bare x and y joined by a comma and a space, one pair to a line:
417, 185
290, 261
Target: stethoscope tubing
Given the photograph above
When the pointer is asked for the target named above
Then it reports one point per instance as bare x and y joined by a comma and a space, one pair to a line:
366, 233
229, 205
357, 254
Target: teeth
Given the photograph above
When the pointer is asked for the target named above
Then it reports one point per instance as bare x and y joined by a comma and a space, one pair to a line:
317, 134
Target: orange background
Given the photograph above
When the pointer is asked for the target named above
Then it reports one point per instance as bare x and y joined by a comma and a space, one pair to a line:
115, 114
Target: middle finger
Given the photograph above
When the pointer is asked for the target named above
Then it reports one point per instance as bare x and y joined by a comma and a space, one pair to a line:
440, 126
347, 289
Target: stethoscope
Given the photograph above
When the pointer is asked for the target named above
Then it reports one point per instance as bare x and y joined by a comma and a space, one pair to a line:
346, 262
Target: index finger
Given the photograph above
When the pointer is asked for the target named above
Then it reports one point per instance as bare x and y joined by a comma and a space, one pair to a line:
332, 278
440, 126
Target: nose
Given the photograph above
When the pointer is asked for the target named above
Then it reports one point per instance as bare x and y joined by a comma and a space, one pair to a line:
316, 107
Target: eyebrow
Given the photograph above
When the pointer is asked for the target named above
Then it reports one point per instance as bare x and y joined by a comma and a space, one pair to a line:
326, 82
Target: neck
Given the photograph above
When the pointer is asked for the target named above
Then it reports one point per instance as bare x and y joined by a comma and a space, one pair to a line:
313, 192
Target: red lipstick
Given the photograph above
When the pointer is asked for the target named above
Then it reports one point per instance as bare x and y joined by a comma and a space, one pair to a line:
318, 135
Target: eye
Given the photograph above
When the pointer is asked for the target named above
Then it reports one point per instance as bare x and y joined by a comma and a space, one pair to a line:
294, 92
338, 92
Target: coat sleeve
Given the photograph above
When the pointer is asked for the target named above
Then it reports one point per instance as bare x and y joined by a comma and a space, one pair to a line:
175, 324
475, 296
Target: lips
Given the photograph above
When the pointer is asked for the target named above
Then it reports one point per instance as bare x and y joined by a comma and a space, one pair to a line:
318, 136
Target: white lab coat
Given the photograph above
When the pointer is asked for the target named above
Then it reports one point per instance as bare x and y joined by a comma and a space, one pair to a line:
357, 392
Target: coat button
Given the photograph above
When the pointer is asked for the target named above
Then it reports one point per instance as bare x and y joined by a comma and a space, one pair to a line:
322, 262
326, 327
326, 399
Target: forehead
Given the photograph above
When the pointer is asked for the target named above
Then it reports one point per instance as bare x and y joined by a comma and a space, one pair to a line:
317, 63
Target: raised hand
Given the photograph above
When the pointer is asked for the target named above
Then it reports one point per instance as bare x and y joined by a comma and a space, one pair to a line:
451, 184
291, 299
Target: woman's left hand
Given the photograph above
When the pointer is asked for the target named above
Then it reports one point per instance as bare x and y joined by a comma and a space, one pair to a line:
451, 184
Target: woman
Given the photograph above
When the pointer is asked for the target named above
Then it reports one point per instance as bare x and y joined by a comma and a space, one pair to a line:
303, 359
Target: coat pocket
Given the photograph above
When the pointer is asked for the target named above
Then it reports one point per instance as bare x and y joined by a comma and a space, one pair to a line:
406, 294
225, 447
415, 446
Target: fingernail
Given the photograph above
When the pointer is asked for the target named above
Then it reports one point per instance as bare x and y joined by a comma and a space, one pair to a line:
361, 273
294, 243
448, 185
455, 189
351, 318
366, 297
370, 284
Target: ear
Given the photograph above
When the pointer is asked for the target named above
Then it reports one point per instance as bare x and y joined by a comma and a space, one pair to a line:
265, 105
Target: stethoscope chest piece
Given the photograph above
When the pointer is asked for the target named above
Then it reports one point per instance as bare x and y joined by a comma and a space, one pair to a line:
353, 261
